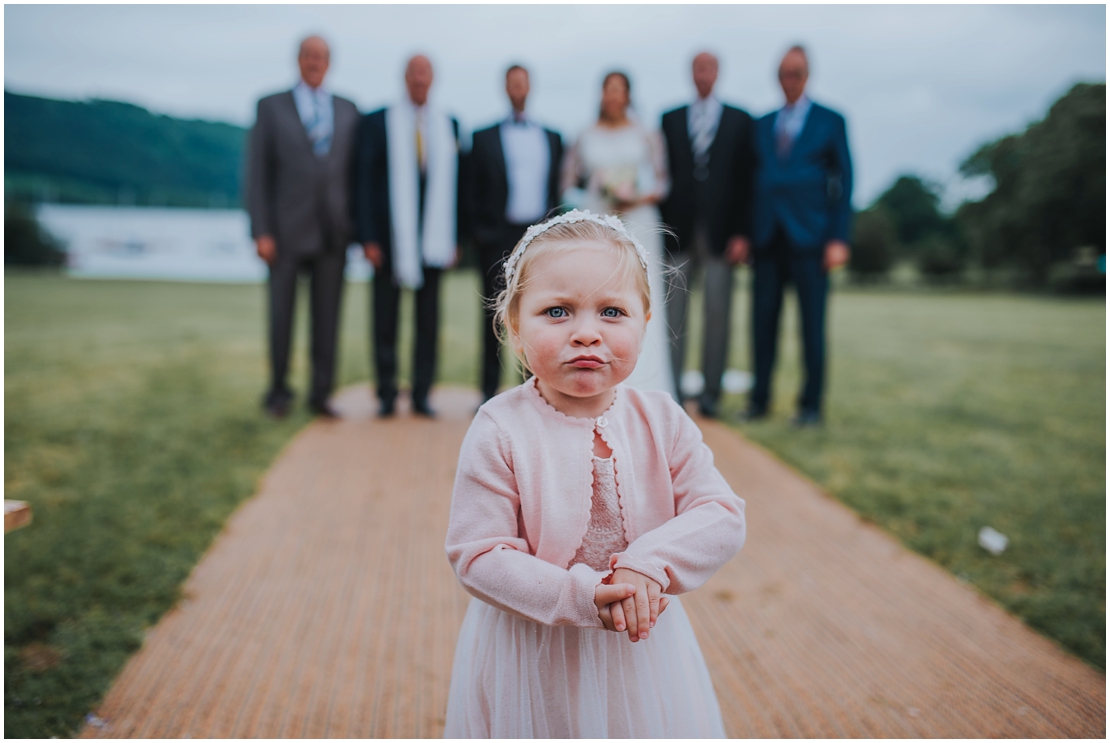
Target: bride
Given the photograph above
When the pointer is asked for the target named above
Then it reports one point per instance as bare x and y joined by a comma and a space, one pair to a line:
619, 167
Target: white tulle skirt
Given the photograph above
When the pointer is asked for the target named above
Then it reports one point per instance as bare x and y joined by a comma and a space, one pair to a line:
514, 678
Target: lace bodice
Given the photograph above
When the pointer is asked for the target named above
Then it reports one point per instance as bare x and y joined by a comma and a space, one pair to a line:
605, 532
604, 158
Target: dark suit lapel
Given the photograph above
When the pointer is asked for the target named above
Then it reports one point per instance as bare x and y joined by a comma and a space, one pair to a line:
807, 128
499, 158
291, 106
555, 168
723, 132
551, 145
684, 127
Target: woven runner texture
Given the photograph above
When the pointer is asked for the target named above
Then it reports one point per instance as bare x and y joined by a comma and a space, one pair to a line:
327, 608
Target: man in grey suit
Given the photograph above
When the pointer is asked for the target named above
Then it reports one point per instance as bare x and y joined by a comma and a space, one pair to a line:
299, 173
709, 208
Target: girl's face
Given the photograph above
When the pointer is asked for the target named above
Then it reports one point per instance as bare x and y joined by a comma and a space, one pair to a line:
580, 325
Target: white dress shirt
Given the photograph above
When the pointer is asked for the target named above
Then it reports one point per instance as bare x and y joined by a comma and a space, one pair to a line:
314, 106
527, 165
702, 118
792, 117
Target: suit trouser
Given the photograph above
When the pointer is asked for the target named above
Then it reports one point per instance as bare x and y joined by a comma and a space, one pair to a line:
718, 314
386, 304
773, 269
326, 288
492, 265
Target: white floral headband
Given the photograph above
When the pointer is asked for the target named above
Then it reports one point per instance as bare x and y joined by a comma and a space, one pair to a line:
572, 216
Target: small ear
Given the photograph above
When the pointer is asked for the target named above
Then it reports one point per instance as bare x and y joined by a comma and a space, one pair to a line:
647, 318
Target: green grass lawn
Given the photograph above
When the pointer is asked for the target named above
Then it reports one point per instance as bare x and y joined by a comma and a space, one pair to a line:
947, 412
133, 427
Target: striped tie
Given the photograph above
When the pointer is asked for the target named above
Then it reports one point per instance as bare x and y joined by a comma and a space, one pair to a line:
704, 130
321, 139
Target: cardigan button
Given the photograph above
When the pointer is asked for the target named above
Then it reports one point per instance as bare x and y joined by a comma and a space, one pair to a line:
602, 422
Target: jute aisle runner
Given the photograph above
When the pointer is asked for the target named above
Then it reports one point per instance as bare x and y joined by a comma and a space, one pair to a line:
327, 609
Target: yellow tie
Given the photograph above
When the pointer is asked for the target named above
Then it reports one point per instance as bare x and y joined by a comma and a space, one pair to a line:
419, 148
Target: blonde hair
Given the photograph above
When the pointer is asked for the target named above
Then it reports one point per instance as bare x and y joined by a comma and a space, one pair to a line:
506, 305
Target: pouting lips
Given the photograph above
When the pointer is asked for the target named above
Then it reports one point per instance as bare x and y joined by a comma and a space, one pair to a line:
586, 362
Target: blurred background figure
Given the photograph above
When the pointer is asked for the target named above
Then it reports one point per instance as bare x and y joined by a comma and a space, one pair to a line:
803, 215
618, 167
298, 197
408, 222
709, 210
514, 183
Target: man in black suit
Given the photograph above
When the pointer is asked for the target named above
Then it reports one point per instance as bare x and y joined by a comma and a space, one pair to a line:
515, 182
298, 183
408, 221
709, 209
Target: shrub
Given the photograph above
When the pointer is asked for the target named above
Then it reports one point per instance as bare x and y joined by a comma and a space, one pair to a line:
874, 245
938, 258
26, 243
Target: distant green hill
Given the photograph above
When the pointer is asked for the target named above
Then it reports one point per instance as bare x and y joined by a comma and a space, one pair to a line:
106, 152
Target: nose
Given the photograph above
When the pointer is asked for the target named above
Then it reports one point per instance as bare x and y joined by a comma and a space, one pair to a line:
586, 333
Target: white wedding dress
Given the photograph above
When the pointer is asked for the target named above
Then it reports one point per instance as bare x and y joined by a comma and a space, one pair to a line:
602, 158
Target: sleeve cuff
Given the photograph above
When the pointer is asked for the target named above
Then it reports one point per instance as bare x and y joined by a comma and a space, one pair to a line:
653, 569
586, 580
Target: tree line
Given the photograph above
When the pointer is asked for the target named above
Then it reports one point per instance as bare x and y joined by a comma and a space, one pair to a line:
106, 152
1043, 221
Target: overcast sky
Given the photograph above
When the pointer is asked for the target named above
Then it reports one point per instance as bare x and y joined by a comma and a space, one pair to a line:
921, 86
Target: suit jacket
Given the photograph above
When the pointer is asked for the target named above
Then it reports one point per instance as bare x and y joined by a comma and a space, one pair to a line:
489, 185
809, 192
724, 199
302, 200
372, 215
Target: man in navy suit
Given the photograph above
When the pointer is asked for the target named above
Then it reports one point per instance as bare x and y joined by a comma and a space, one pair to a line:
801, 223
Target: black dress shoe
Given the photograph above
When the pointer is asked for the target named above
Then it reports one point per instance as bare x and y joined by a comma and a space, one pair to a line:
708, 409
421, 407
276, 404
752, 413
277, 409
806, 419
324, 410
387, 409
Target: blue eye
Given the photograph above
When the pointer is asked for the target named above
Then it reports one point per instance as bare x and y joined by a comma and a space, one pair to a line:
612, 312
555, 312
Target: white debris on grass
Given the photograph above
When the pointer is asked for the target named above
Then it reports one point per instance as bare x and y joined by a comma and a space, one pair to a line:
95, 721
992, 541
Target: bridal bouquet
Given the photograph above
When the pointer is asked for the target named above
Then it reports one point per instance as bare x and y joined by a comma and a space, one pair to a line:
618, 187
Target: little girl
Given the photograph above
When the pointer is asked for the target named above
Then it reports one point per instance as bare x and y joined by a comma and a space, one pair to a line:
578, 502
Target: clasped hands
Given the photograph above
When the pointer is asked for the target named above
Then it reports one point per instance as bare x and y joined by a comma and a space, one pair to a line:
630, 601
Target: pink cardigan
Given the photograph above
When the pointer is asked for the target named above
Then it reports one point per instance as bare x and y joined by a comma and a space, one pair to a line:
522, 497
